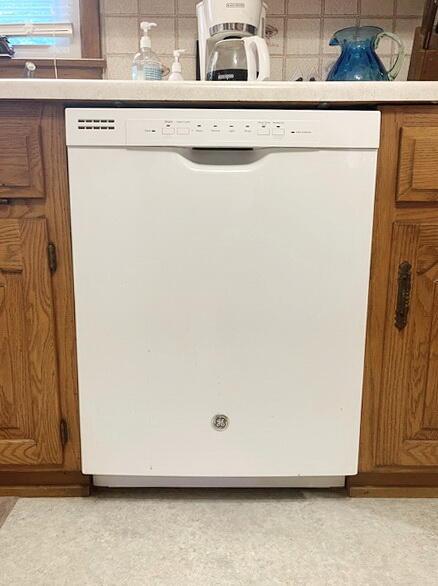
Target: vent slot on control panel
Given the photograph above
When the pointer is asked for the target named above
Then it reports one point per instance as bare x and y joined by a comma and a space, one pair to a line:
96, 124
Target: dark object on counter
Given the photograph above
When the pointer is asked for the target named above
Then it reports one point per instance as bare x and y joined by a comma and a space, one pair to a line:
429, 25
424, 60
6, 49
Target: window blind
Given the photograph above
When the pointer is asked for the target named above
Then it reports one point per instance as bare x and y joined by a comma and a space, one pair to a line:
55, 24
26, 11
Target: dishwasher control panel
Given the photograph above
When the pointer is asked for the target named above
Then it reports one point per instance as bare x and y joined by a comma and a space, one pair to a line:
215, 128
258, 132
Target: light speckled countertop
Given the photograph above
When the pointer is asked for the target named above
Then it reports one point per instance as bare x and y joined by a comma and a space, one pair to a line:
228, 92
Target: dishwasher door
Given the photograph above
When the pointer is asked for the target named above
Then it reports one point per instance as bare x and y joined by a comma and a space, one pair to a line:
221, 300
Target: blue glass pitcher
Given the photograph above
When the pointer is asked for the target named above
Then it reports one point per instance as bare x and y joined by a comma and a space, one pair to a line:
358, 60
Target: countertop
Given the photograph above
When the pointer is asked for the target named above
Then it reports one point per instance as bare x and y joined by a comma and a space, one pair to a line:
227, 92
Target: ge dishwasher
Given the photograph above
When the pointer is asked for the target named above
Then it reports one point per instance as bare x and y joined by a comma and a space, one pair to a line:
221, 269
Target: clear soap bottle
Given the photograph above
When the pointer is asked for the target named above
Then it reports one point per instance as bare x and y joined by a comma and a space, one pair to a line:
146, 65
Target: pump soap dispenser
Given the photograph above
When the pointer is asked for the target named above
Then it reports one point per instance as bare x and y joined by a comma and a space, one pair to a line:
176, 74
146, 65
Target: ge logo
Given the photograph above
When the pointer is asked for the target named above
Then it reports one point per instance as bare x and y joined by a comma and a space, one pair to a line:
220, 422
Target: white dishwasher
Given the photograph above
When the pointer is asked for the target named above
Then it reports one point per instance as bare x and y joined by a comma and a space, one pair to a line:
221, 267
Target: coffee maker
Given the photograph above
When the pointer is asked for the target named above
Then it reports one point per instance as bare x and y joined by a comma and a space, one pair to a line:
222, 20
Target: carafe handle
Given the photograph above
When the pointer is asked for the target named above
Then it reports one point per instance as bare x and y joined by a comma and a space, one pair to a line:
257, 46
395, 69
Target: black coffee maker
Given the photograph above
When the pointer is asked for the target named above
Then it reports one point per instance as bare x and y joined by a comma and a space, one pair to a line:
6, 49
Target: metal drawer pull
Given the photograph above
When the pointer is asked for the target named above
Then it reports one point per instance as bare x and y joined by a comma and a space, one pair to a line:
403, 295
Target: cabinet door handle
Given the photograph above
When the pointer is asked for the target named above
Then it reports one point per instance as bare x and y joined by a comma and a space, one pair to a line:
403, 295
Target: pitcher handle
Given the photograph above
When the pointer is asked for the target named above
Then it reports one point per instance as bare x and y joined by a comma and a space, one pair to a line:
257, 45
395, 69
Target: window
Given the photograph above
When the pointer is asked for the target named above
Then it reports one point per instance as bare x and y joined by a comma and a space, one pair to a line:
42, 28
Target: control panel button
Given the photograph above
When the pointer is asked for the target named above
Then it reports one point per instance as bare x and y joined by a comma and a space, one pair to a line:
183, 131
263, 130
168, 130
278, 132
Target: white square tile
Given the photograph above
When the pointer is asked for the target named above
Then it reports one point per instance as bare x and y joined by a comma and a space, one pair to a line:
156, 7
276, 42
308, 7
186, 7
276, 7
327, 64
119, 7
122, 34
403, 75
187, 34
405, 28
331, 25
306, 68
277, 69
377, 8
303, 35
119, 66
164, 36
341, 7
386, 46
410, 7
188, 67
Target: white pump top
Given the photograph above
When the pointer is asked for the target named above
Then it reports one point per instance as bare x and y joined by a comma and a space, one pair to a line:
145, 42
176, 65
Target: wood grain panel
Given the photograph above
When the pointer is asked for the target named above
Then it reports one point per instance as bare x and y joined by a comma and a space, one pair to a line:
392, 492
55, 208
57, 211
399, 410
430, 414
10, 247
8, 407
29, 430
418, 164
407, 433
65, 68
21, 161
15, 169
13, 400
90, 28
425, 173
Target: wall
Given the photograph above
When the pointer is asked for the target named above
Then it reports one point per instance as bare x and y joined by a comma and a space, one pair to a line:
300, 47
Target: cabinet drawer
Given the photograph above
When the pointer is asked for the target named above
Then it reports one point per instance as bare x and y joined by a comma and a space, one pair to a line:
418, 164
21, 160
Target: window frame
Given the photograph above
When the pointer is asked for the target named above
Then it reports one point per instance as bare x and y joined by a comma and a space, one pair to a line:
87, 20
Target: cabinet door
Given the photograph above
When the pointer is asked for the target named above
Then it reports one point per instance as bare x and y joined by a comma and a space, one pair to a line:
21, 161
418, 164
29, 403
408, 425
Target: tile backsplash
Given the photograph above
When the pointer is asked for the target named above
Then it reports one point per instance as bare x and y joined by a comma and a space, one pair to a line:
301, 32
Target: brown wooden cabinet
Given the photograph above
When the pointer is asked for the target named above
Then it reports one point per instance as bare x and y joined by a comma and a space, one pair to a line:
29, 381
418, 163
399, 439
21, 161
39, 423
39, 429
407, 433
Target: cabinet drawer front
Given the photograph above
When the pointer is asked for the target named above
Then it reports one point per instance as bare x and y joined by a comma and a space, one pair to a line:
21, 161
418, 164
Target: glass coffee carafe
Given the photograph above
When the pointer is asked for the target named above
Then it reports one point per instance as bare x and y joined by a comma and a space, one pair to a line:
359, 60
239, 59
